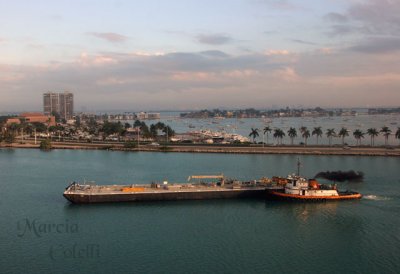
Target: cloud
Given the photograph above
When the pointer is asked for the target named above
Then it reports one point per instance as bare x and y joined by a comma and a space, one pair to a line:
374, 23
378, 16
299, 41
378, 45
336, 17
369, 17
100, 79
277, 52
340, 30
145, 53
280, 4
207, 79
326, 50
109, 36
287, 74
215, 53
213, 39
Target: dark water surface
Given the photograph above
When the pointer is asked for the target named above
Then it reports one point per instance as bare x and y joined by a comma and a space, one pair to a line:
40, 232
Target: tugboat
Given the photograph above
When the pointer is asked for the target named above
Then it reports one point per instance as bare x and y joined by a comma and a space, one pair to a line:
301, 189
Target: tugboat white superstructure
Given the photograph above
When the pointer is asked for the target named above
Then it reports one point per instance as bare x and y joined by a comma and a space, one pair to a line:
299, 188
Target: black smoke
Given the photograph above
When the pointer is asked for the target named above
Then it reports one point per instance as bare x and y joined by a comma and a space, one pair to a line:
341, 176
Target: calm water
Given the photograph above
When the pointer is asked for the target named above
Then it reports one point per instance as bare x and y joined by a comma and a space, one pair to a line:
231, 236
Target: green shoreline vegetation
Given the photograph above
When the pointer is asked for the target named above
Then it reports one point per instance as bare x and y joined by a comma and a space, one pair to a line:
342, 133
88, 132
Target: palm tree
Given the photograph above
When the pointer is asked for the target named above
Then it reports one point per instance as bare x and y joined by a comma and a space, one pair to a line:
397, 134
29, 128
292, 133
22, 128
169, 132
306, 134
358, 134
302, 129
266, 131
330, 133
373, 133
279, 134
14, 127
343, 133
52, 130
386, 132
254, 134
318, 132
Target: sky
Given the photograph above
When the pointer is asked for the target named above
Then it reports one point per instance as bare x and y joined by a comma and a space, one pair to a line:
186, 54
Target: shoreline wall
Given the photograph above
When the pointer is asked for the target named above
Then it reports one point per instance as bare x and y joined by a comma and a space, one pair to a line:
296, 150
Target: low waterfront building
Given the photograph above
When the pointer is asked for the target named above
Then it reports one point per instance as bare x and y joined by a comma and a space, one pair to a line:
148, 116
141, 115
32, 117
153, 116
14, 120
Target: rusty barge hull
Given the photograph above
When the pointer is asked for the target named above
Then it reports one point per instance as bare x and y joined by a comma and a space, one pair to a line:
87, 198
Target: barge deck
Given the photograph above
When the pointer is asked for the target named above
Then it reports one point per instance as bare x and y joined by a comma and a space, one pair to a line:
76, 193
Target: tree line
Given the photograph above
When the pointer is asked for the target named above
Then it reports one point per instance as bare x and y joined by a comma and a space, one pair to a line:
330, 133
9, 132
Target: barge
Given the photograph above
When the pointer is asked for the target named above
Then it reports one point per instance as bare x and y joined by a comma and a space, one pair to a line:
293, 187
222, 189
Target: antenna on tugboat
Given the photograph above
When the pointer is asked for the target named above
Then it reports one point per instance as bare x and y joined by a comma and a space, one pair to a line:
298, 166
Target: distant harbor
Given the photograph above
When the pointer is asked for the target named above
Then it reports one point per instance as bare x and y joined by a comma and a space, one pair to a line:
254, 113
280, 128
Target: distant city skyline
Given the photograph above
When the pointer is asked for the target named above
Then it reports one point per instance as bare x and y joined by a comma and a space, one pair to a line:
183, 55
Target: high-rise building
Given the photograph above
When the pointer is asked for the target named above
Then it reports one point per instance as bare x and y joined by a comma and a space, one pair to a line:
61, 103
66, 105
50, 103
